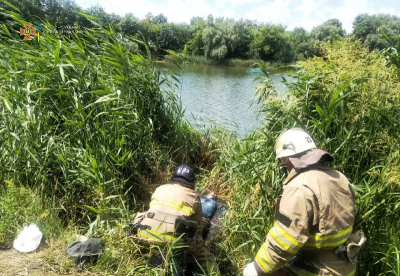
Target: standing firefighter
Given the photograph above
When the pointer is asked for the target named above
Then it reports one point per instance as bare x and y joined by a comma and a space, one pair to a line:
314, 217
171, 204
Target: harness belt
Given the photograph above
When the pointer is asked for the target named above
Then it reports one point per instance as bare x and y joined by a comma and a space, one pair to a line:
161, 216
310, 256
310, 268
319, 255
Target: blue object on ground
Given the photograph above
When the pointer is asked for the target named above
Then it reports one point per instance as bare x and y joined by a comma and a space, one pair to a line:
208, 207
255, 70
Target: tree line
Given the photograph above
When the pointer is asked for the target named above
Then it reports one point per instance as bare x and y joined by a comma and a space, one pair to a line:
214, 38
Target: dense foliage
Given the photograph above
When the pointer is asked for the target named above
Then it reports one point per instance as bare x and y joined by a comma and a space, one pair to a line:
349, 100
85, 121
368, 29
217, 39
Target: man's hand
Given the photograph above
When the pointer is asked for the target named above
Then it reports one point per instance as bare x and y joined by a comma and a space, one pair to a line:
250, 270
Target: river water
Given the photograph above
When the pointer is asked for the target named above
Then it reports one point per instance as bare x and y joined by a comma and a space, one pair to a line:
220, 95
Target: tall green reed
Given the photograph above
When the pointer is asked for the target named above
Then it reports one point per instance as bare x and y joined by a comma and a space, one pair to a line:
85, 119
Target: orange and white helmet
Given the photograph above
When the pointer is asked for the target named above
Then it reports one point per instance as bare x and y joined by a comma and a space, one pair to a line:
292, 142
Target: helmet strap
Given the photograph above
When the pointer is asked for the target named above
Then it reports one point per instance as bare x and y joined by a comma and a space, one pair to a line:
283, 165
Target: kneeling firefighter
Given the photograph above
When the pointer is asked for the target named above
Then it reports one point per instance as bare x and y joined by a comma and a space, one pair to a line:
175, 206
314, 216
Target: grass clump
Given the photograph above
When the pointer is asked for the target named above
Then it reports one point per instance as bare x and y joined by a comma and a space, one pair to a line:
19, 206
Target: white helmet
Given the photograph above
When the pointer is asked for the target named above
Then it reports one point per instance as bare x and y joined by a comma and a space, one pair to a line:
292, 142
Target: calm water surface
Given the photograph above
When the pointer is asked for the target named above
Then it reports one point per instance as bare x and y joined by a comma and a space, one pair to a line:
221, 95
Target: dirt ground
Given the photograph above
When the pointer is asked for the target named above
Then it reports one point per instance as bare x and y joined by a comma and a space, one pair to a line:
14, 263
44, 261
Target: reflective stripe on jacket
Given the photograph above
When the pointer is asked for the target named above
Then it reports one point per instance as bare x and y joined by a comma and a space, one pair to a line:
168, 202
315, 213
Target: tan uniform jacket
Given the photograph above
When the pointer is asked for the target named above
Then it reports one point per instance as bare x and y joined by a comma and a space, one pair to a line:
314, 215
168, 202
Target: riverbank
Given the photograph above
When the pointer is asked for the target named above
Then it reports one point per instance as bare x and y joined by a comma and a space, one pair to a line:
249, 63
85, 142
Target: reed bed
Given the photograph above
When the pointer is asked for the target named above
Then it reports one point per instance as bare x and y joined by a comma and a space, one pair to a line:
85, 122
349, 100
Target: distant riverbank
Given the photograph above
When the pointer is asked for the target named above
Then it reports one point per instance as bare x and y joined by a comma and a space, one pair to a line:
234, 62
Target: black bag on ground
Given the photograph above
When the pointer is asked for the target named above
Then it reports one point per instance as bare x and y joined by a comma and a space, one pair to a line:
82, 251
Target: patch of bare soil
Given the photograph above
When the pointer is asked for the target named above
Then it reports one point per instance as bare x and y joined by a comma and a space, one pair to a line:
44, 261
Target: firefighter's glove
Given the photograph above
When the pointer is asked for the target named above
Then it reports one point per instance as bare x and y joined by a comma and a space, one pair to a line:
354, 243
250, 270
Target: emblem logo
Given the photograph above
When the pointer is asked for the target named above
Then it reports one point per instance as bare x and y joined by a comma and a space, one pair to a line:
27, 32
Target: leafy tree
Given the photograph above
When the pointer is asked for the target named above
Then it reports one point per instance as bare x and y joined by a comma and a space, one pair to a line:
214, 40
272, 43
195, 43
214, 43
165, 38
329, 31
246, 36
238, 37
230, 33
298, 38
181, 34
114, 20
172, 36
129, 24
149, 30
149, 16
221, 38
60, 12
210, 20
367, 29
104, 18
159, 19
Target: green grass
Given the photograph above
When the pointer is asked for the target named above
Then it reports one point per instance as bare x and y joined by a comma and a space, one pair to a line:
21, 206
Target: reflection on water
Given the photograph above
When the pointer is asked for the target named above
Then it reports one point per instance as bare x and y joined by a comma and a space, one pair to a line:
221, 95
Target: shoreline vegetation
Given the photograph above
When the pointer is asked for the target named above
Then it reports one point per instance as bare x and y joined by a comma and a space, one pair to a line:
87, 133
221, 41
244, 63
